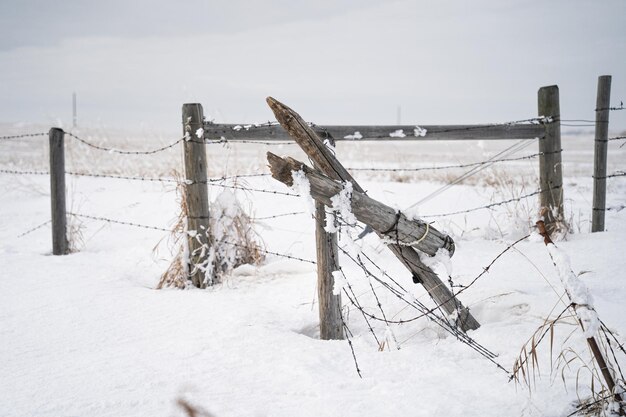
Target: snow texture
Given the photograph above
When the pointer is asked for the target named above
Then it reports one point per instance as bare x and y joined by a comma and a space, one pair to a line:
577, 291
342, 205
419, 132
302, 187
397, 134
356, 135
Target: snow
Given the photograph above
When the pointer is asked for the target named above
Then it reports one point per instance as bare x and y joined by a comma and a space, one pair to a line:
577, 292
397, 134
302, 187
342, 205
87, 334
419, 132
356, 135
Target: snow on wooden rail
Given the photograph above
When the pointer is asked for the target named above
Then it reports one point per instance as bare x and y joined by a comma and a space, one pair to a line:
388, 132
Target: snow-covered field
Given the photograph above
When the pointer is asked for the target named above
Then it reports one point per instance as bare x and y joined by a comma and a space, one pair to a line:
88, 335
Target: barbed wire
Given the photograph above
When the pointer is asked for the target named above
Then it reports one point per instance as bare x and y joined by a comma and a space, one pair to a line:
125, 223
430, 314
472, 164
25, 135
17, 172
621, 107
282, 255
119, 151
123, 177
615, 174
256, 190
488, 206
279, 215
34, 228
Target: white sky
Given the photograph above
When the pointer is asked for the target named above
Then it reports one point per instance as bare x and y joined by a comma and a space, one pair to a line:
134, 63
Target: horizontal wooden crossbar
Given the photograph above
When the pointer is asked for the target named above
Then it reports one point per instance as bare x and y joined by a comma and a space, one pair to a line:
388, 132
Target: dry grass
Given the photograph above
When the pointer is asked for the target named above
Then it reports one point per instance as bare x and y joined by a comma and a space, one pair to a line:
232, 242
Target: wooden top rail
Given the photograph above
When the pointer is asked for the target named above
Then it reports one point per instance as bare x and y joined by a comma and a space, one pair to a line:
388, 132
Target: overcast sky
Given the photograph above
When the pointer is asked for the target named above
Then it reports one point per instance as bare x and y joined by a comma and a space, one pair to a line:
134, 63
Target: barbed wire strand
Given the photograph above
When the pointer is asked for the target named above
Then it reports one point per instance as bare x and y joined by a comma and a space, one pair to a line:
295, 213
16, 172
25, 135
535, 155
34, 228
123, 152
488, 206
113, 221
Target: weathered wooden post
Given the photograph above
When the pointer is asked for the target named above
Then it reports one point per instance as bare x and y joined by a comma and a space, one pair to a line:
603, 102
60, 244
327, 163
196, 194
331, 324
550, 165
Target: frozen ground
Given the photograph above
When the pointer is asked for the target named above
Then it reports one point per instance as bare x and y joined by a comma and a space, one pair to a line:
88, 335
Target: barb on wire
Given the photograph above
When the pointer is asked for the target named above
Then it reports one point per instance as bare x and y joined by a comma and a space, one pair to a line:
486, 269
107, 220
122, 177
621, 107
237, 187
16, 172
118, 151
295, 213
615, 174
617, 138
282, 255
25, 135
34, 228
471, 164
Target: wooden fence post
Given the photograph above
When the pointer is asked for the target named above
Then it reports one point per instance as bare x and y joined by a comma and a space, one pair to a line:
60, 244
603, 102
331, 323
196, 193
550, 165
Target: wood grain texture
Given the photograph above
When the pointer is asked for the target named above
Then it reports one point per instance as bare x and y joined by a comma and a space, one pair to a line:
331, 323
196, 193
381, 133
60, 245
550, 164
313, 146
603, 102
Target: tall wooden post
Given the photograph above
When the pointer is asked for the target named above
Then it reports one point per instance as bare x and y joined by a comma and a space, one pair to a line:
550, 165
331, 324
196, 193
603, 102
60, 244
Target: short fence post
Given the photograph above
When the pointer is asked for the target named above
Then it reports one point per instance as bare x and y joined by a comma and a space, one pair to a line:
603, 102
196, 194
60, 244
331, 323
550, 165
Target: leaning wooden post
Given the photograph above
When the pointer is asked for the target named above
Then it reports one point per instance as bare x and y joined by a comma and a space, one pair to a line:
60, 244
331, 324
550, 165
603, 102
313, 146
196, 193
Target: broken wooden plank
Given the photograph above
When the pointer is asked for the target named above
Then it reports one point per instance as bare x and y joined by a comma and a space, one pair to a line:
313, 146
394, 226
